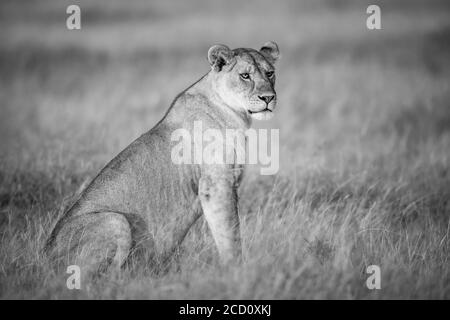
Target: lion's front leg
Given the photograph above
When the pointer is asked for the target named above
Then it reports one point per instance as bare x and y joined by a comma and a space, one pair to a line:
218, 197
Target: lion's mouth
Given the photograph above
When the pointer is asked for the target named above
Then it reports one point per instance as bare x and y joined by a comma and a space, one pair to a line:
264, 110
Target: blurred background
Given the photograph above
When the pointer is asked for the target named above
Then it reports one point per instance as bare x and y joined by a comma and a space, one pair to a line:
90, 92
364, 115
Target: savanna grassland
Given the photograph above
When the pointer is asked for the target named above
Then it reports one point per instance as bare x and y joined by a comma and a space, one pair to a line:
364, 120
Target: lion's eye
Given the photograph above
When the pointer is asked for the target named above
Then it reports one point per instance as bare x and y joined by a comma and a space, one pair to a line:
269, 74
245, 76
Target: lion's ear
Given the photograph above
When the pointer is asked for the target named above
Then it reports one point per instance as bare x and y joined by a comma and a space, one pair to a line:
270, 51
219, 56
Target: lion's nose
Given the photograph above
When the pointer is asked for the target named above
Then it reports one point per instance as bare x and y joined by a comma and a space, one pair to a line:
267, 98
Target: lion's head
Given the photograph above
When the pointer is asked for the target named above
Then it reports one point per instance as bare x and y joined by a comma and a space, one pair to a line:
245, 78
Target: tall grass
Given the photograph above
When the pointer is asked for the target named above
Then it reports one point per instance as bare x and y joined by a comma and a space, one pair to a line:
365, 143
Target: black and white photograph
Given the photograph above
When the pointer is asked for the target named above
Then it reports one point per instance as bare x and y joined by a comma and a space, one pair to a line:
224, 150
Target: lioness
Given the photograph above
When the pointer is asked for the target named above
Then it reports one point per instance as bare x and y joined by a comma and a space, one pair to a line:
111, 219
